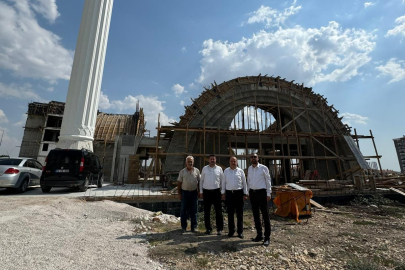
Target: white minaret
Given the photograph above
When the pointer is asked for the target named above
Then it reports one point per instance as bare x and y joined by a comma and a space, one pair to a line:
79, 118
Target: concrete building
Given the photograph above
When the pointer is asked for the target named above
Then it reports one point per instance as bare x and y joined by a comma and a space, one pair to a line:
44, 122
400, 147
42, 129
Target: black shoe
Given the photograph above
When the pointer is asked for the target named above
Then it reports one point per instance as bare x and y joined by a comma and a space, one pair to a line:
183, 231
240, 235
219, 232
207, 232
192, 229
230, 234
258, 238
266, 242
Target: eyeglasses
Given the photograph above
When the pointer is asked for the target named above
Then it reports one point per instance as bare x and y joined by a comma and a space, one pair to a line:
253, 157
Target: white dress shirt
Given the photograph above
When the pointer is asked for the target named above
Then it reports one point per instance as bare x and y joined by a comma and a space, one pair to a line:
234, 180
211, 177
259, 178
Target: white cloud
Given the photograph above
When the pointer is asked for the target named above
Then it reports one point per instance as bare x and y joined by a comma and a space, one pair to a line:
393, 68
151, 105
3, 117
22, 122
27, 49
272, 17
182, 102
349, 118
368, 4
24, 91
46, 8
104, 102
178, 89
304, 55
399, 29
183, 50
192, 86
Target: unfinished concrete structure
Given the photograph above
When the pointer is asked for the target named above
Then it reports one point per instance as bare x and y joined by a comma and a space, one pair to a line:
43, 125
41, 130
304, 132
400, 147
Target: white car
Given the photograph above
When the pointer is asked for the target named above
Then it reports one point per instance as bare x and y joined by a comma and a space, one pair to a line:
19, 173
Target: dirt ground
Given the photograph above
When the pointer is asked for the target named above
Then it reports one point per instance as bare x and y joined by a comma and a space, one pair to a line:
370, 234
65, 233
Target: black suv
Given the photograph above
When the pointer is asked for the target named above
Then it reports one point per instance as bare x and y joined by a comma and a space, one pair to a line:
71, 168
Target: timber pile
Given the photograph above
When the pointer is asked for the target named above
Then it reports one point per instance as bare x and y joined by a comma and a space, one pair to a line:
332, 184
388, 182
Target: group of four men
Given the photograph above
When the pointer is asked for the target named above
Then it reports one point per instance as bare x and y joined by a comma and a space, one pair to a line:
214, 185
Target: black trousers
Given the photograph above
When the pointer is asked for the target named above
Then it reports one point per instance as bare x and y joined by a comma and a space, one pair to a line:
213, 197
234, 203
258, 200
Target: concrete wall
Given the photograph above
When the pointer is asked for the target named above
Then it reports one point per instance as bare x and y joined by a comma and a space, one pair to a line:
31, 141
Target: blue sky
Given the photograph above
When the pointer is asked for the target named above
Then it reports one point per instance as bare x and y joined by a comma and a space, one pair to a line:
163, 52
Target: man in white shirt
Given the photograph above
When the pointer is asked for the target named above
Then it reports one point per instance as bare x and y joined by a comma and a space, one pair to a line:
234, 192
259, 182
187, 188
211, 178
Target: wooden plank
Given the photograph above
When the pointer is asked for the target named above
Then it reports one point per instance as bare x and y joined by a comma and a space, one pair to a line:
317, 205
297, 187
397, 191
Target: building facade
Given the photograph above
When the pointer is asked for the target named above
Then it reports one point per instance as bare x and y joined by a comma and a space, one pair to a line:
400, 147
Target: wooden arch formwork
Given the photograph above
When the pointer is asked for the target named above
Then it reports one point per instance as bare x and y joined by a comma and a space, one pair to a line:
306, 136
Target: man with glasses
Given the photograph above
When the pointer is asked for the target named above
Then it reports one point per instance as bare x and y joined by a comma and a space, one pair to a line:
211, 178
259, 183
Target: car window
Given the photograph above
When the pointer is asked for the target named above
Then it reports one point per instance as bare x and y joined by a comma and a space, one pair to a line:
10, 161
97, 162
87, 160
66, 159
31, 164
25, 164
38, 165
34, 164
93, 161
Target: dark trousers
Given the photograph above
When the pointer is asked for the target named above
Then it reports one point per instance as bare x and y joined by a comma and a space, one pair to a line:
234, 203
189, 203
213, 197
258, 200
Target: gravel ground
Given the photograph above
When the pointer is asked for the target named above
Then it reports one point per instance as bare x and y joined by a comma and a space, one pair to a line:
63, 233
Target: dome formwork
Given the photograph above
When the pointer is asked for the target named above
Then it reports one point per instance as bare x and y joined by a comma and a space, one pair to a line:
306, 129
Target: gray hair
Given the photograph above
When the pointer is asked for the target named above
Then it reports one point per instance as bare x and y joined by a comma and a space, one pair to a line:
190, 157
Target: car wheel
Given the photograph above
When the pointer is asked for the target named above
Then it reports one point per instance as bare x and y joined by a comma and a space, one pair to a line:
23, 186
100, 181
85, 184
46, 189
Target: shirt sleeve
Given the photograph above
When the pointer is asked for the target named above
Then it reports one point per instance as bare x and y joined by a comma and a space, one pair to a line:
202, 180
245, 191
198, 178
247, 178
221, 177
267, 178
223, 182
180, 178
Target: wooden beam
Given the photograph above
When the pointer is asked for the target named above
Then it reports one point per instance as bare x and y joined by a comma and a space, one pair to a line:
317, 205
295, 118
333, 153
397, 191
